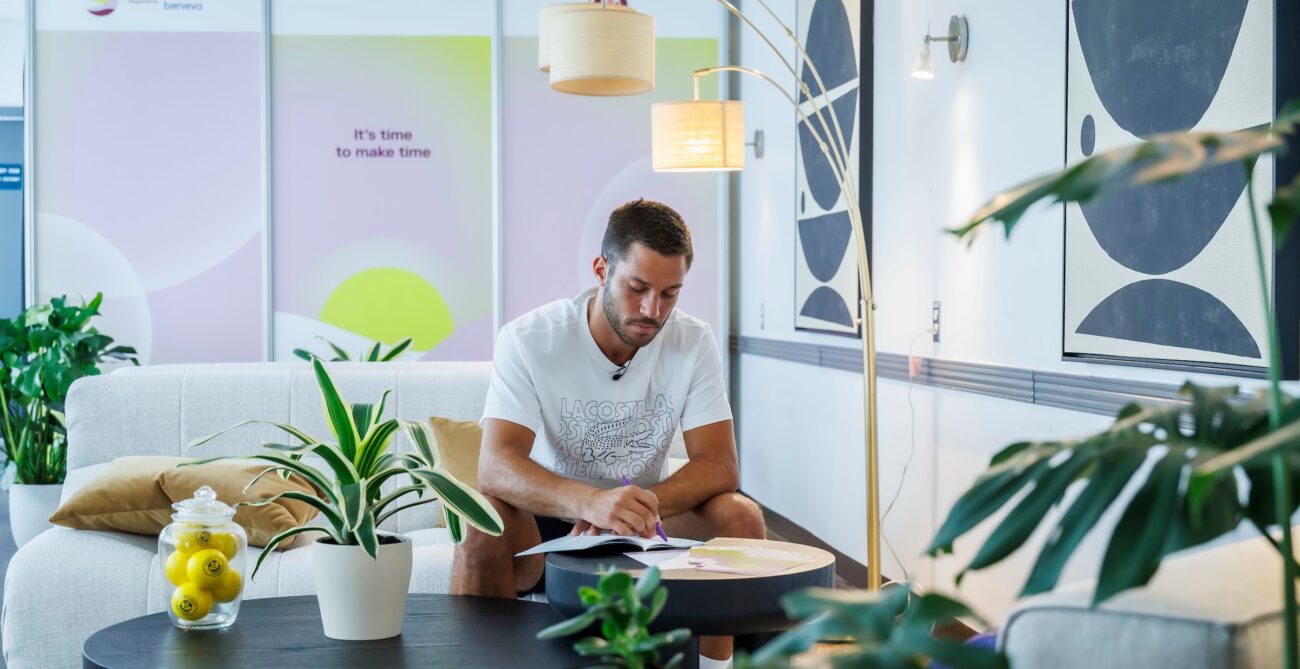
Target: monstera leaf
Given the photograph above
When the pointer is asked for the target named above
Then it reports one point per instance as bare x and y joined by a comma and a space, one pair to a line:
1167, 514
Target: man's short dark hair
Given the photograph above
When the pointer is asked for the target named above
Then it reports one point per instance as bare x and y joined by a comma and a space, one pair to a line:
653, 224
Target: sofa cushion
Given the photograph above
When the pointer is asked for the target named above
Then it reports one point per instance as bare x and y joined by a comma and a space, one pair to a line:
135, 494
1216, 607
458, 443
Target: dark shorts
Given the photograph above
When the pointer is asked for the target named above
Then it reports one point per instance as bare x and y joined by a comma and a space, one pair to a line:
549, 528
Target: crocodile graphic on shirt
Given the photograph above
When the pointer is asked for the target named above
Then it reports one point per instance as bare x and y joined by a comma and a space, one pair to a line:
604, 439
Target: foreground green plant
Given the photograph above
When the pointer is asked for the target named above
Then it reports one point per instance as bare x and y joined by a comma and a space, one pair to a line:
42, 352
351, 499
890, 629
1200, 449
374, 354
618, 603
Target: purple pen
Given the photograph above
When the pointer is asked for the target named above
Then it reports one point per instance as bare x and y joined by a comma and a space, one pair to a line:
659, 527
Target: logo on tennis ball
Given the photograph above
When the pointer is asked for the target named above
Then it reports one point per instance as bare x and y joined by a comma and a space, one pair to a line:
101, 7
205, 538
191, 603
207, 568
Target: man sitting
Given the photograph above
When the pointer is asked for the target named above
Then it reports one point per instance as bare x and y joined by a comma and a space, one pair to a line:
587, 391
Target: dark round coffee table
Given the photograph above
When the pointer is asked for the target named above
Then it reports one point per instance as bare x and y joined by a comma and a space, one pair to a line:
709, 603
439, 631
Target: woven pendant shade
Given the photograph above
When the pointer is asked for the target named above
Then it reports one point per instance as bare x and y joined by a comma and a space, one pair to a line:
544, 28
606, 50
698, 136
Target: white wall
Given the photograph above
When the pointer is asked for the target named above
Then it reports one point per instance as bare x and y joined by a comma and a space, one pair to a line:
942, 148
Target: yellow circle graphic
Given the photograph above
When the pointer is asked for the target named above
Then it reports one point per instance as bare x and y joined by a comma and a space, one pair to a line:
386, 304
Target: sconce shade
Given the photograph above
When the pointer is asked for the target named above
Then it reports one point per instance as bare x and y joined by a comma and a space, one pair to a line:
606, 50
697, 136
923, 66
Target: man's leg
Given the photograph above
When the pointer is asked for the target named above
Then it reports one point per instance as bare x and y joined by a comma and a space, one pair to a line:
486, 565
726, 515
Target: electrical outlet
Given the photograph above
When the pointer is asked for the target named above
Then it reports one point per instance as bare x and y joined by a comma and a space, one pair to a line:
934, 320
762, 315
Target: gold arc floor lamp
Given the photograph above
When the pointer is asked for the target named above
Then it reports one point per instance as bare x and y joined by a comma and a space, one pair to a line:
709, 135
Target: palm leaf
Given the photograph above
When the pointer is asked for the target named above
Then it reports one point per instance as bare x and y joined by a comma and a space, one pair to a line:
337, 411
302, 436
454, 528
366, 536
315, 502
465, 501
397, 349
287, 534
419, 502
419, 436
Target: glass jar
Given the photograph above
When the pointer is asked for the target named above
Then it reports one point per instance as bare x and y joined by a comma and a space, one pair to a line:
202, 559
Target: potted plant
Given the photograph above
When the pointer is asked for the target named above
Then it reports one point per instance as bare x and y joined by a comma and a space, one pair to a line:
890, 628
619, 605
42, 352
362, 575
1214, 462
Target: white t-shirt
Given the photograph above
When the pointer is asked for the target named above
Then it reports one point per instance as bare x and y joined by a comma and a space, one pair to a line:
549, 376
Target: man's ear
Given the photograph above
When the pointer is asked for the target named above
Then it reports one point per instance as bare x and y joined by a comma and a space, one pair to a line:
600, 267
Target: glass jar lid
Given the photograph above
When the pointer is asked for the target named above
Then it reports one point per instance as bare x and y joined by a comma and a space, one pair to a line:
203, 507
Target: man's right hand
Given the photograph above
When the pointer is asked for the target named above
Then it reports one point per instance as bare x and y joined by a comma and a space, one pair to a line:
626, 510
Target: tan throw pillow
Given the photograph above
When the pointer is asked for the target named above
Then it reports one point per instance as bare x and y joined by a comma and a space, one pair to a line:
458, 445
135, 494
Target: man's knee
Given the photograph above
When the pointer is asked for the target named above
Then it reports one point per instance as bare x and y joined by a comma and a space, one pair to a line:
737, 516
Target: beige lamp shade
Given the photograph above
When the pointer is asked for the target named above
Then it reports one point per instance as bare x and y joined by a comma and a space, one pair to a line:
607, 50
544, 28
698, 136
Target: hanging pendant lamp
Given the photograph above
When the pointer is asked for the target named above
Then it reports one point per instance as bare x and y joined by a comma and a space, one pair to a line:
597, 49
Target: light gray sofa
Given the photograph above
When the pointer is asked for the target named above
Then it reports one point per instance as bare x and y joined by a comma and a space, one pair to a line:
66, 584
1218, 608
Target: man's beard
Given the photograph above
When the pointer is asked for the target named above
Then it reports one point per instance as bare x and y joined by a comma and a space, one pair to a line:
616, 322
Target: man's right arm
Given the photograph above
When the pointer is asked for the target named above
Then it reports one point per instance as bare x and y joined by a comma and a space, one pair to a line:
506, 472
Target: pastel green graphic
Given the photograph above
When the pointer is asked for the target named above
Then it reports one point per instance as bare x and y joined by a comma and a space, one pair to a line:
386, 304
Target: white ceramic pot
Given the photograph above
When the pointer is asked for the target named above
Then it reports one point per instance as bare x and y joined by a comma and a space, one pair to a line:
30, 508
362, 598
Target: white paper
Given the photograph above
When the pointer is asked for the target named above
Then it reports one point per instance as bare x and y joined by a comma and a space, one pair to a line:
658, 558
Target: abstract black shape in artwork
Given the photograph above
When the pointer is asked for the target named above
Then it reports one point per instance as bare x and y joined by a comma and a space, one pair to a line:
830, 47
1158, 228
816, 168
827, 305
1088, 135
1160, 311
824, 240
1157, 65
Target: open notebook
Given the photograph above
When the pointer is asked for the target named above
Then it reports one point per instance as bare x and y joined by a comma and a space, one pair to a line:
584, 541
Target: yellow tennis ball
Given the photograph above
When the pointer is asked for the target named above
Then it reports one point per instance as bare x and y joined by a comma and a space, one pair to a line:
192, 540
175, 568
207, 568
224, 542
229, 588
189, 602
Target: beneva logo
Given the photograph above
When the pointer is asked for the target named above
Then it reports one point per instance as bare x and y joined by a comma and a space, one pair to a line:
101, 7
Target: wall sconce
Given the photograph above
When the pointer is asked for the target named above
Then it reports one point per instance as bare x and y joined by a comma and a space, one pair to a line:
958, 40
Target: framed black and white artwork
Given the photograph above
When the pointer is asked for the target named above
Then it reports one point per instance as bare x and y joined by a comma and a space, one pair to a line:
1165, 275
826, 271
